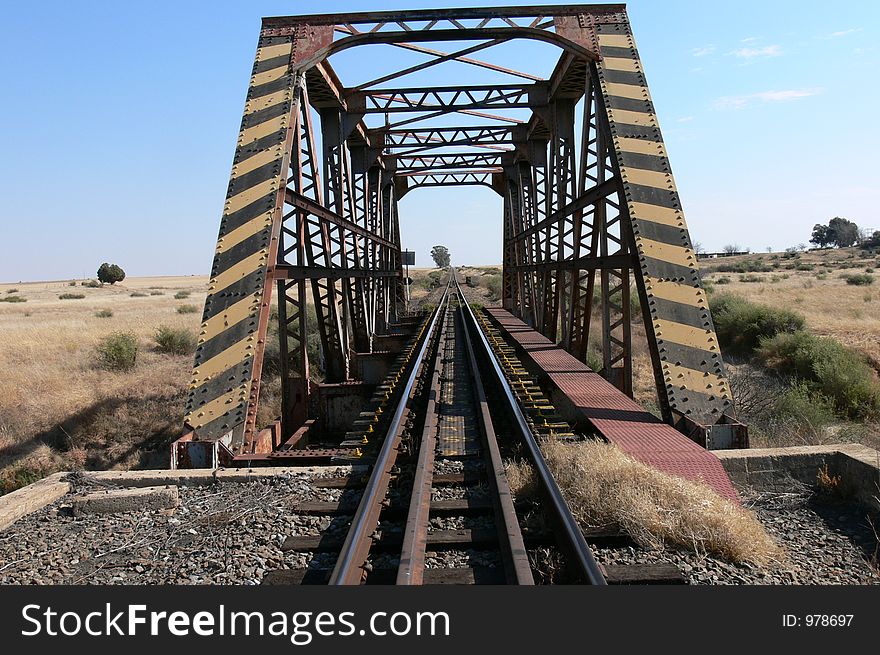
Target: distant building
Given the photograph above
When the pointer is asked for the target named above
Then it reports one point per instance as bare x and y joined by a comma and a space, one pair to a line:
716, 255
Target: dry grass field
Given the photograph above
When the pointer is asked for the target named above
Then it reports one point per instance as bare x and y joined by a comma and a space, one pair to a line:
58, 408
833, 308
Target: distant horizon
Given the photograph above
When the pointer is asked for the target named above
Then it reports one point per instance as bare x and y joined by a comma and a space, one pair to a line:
498, 264
762, 111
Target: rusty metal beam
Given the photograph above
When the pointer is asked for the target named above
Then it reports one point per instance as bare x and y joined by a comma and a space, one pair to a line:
588, 198
610, 12
290, 272
308, 205
441, 57
582, 263
437, 137
449, 98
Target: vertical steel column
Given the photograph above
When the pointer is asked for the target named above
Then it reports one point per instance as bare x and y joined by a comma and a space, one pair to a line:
338, 197
319, 253
292, 306
529, 250
509, 290
564, 188
615, 282
380, 253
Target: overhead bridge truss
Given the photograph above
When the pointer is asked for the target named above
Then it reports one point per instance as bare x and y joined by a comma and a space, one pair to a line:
592, 221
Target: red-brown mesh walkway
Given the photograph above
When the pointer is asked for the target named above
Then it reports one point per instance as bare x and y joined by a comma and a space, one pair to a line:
612, 413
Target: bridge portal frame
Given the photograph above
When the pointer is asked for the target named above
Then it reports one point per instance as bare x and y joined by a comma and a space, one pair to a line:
591, 215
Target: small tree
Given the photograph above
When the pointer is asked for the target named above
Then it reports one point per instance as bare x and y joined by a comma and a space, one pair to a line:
440, 255
820, 235
842, 232
110, 273
839, 232
731, 248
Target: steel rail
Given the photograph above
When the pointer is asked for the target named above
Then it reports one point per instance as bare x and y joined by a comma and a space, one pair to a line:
574, 540
510, 539
348, 569
411, 570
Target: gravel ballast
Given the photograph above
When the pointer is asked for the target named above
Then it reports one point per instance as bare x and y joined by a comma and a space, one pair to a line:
230, 533
826, 542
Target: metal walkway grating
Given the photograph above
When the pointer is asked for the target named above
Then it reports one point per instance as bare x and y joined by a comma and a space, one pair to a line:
612, 413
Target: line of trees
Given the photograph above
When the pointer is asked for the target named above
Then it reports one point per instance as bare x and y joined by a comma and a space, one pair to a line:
839, 232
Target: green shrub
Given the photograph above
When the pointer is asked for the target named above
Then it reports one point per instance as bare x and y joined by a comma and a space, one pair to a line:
800, 405
180, 295
741, 325
722, 280
860, 280
138, 294
431, 280
869, 270
635, 303
91, 284
103, 313
187, 309
117, 351
493, 284
11, 290
71, 296
72, 283
827, 367
156, 293
803, 266
747, 266
175, 341
13, 299
822, 276
751, 278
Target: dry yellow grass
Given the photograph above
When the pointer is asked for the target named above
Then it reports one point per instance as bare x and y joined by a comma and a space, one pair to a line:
833, 308
605, 487
49, 377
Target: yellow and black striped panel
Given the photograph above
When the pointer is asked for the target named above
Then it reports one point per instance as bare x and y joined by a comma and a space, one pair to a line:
223, 370
686, 343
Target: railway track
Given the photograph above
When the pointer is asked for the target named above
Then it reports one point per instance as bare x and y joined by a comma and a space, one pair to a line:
436, 507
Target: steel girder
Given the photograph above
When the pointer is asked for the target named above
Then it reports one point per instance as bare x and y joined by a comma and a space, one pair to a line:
589, 214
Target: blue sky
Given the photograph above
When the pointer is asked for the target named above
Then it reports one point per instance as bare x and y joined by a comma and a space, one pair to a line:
120, 121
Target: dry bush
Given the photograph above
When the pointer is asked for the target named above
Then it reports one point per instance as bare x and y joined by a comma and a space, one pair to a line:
520, 477
175, 341
605, 487
117, 351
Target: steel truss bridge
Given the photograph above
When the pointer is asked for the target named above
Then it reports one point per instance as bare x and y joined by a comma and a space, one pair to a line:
591, 215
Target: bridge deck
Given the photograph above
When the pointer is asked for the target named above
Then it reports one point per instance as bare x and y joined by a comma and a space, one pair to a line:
612, 413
